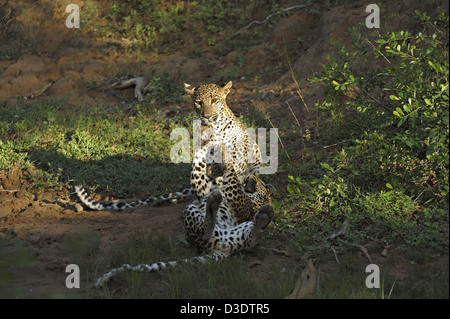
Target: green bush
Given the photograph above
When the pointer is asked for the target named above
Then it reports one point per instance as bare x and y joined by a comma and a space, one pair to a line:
388, 98
396, 113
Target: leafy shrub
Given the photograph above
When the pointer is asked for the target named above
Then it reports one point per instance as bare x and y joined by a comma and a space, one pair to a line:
397, 113
388, 97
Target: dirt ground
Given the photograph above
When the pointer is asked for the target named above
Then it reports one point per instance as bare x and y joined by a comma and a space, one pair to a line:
66, 60
44, 222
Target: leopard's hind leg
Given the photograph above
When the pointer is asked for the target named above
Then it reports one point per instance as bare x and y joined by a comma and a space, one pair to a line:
262, 219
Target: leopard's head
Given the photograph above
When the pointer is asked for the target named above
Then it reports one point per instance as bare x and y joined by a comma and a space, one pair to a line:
209, 100
258, 192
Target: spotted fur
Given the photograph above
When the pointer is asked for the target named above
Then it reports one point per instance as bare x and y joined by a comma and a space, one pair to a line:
230, 144
212, 227
229, 137
96, 205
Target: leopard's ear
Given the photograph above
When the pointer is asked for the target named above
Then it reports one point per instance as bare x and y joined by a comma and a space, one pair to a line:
271, 189
226, 88
189, 88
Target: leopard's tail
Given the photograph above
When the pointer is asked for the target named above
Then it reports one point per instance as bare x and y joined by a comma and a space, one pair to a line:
95, 205
158, 266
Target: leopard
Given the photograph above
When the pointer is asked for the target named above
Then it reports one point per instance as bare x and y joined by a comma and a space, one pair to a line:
212, 227
230, 141
240, 197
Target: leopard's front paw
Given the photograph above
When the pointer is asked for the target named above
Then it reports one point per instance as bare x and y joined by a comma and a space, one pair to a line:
215, 170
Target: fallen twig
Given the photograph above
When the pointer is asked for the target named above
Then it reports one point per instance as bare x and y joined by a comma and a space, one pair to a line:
342, 231
341, 142
335, 255
9, 190
277, 251
266, 19
363, 249
306, 283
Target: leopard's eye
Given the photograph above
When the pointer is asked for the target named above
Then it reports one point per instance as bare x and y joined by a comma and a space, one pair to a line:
213, 100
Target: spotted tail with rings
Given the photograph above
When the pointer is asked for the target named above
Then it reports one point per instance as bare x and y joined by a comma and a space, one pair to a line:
95, 205
158, 266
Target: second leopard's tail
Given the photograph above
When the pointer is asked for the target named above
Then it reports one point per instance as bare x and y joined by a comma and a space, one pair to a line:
96, 205
156, 266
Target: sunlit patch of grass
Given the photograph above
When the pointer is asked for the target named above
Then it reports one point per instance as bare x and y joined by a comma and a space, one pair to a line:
104, 148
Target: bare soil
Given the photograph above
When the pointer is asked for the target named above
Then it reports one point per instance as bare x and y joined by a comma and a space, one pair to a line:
44, 224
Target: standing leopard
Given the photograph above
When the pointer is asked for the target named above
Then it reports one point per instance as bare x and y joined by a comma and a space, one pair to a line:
212, 227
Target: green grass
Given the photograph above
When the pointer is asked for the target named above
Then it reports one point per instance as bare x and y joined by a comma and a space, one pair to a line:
15, 257
229, 278
157, 26
88, 145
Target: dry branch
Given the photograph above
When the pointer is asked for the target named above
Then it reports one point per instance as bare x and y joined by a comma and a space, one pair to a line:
306, 283
139, 83
342, 231
363, 249
9, 190
266, 19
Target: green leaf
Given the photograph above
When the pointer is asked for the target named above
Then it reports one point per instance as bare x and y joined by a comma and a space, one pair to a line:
389, 186
427, 101
400, 111
401, 121
276, 205
432, 65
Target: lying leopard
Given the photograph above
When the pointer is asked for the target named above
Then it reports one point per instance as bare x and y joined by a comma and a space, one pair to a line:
212, 227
